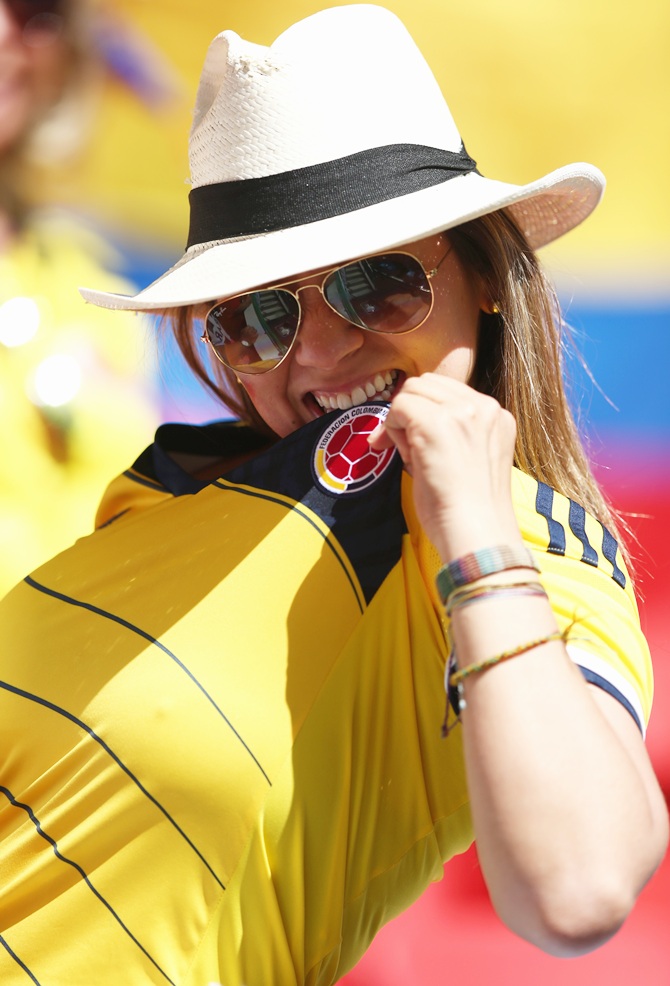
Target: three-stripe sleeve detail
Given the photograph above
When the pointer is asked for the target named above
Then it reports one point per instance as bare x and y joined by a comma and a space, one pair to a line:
556, 535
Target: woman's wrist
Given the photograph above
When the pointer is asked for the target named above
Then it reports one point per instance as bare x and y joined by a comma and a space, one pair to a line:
474, 533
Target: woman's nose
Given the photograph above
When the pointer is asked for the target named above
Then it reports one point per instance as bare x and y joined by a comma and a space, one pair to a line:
324, 337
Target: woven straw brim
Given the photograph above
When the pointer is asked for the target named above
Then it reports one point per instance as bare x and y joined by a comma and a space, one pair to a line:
544, 209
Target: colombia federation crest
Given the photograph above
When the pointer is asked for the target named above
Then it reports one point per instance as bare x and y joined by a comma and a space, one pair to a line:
343, 462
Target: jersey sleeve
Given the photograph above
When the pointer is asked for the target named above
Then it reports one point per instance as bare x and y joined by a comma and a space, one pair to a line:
591, 593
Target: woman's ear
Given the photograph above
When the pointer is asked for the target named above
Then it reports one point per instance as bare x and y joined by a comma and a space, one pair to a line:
486, 292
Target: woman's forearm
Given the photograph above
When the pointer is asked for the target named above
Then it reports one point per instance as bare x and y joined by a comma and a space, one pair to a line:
568, 818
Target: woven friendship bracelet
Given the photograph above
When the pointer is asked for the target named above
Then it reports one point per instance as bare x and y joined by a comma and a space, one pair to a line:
454, 678
479, 593
460, 675
486, 561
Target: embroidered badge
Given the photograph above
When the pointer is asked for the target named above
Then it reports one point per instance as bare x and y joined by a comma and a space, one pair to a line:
343, 461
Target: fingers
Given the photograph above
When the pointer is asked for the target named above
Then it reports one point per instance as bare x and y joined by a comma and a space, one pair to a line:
428, 387
458, 445
431, 399
456, 398
379, 439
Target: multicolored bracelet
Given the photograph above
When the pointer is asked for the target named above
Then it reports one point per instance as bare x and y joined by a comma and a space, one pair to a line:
486, 561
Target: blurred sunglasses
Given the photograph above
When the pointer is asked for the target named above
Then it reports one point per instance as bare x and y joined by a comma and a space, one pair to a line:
25, 11
389, 293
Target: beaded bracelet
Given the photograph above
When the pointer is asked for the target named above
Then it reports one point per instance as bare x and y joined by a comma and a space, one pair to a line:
486, 561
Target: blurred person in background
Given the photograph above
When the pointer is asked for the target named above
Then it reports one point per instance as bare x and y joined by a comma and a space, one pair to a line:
74, 386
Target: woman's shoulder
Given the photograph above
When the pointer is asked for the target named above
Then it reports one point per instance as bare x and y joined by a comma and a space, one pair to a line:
181, 460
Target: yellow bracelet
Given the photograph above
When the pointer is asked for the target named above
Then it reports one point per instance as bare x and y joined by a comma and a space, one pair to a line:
458, 676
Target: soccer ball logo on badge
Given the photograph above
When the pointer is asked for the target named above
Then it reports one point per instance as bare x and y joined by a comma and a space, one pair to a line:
343, 461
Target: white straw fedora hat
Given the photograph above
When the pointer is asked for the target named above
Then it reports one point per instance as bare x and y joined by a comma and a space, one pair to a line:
332, 143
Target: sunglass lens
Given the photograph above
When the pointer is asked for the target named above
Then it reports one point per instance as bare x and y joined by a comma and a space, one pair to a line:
388, 293
253, 332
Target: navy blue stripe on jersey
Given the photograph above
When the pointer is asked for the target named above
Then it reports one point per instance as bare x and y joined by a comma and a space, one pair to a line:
18, 961
64, 859
29, 696
294, 508
143, 481
577, 521
152, 640
610, 548
594, 678
111, 520
544, 503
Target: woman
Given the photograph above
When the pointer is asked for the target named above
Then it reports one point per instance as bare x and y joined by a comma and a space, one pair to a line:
237, 748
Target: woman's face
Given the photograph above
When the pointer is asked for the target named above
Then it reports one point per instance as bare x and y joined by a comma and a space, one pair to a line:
33, 69
335, 364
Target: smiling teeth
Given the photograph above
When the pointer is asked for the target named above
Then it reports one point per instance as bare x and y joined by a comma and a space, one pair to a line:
379, 388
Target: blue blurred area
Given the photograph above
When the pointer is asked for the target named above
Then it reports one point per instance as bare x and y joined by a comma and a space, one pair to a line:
627, 351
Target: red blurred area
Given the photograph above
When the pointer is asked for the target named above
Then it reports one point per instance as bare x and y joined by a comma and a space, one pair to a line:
451, 934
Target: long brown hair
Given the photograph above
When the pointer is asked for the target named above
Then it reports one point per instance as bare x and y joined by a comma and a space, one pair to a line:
520, 360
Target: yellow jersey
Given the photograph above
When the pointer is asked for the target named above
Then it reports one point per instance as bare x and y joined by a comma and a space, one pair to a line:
221, 755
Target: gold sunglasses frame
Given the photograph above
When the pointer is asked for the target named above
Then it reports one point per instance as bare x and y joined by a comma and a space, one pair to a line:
323, 276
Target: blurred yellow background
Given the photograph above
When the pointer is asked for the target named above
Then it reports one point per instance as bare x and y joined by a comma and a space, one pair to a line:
533, 84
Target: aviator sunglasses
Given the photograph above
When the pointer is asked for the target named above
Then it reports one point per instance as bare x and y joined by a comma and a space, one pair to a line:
388, 293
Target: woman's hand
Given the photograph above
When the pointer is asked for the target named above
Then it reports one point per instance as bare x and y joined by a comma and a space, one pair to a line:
458, 445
